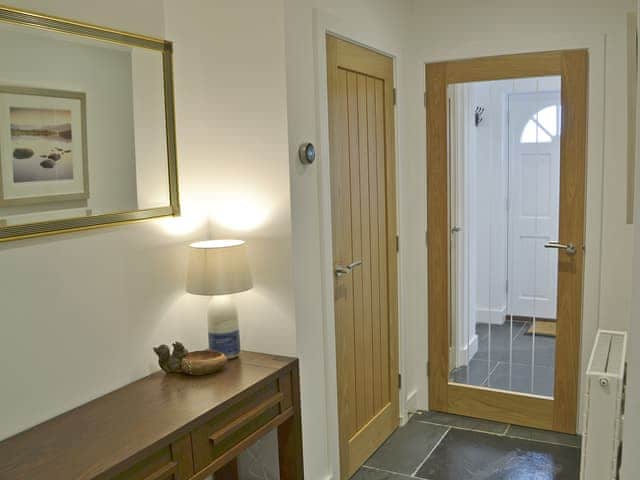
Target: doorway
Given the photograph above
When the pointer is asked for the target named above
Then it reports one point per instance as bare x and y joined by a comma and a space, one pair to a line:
506, 181
361, 133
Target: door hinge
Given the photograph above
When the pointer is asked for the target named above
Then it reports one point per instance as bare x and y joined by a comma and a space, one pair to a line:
399, 381
506, 285
425, 99
428, 369
397, 243
426, 238
395, 97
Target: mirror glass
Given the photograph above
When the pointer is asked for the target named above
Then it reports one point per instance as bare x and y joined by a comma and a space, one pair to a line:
82, 127
504, 160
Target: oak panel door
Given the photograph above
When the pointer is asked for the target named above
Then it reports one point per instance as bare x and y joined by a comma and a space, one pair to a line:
361, 119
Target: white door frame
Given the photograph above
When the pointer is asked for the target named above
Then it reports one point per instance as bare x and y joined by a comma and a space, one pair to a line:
326, 24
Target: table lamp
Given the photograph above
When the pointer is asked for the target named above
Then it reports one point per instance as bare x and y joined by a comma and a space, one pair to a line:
219, 268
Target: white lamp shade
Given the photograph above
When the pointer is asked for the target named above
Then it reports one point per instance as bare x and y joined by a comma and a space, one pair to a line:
218, 267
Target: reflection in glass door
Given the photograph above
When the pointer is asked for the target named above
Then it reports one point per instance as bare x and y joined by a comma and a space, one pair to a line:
504, 157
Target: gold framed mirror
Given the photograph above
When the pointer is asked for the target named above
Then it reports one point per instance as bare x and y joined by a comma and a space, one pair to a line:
87, 126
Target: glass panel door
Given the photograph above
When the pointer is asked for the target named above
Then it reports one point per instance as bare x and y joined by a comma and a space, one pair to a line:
504, 184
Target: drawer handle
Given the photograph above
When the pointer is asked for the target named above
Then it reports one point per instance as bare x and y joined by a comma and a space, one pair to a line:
163, 472
239, 422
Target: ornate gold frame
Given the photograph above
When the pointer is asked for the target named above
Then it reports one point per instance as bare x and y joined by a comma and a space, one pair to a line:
62, 25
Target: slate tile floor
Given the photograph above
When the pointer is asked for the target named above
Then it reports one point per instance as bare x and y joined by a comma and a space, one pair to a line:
510, 359
436, 446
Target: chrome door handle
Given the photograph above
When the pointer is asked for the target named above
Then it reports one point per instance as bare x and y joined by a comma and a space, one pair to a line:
343, 270
569, 248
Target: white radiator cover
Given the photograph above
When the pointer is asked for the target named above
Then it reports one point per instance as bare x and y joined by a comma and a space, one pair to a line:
602, 427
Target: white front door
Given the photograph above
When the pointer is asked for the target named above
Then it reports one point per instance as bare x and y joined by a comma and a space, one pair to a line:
534, 196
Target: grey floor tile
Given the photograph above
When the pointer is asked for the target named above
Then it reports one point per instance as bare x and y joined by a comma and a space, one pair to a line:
544, 348
518, 378
371, 474
407, 448
467, 455
544, 436
506, 345
458, 421
497, 346
482, 329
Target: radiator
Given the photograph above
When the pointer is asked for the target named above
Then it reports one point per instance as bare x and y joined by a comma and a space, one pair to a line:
602, 427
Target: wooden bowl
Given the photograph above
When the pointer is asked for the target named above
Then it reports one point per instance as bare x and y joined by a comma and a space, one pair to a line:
203, 362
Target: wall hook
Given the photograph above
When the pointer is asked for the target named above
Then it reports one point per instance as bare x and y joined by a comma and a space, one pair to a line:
479, 117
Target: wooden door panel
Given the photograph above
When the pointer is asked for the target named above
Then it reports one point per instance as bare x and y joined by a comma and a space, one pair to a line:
559, 413
344, 291
361, 167
352, 169
384, 369
365, 222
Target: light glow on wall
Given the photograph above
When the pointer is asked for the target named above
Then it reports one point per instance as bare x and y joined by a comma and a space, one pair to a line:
187, 223
240, 213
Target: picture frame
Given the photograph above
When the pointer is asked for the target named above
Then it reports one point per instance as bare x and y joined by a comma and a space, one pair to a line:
43, 146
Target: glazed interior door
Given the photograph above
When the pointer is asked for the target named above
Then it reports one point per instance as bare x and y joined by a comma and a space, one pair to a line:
360, 89
534, 202
506, 139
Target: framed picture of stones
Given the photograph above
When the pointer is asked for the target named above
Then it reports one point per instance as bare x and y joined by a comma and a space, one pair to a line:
43, 146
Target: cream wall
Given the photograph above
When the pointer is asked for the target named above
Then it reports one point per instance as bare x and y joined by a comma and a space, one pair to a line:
85, 309
232, 127
631, 431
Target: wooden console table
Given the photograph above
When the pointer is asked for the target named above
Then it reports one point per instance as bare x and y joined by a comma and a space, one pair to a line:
168, 427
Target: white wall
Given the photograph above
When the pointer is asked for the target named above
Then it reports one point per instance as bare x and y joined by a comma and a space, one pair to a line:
631, 431
489, 205
452, 29
81, 311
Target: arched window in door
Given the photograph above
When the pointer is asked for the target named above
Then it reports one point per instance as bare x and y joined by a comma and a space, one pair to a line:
543, 127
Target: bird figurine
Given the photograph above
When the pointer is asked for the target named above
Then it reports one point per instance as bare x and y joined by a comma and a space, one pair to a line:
171, 362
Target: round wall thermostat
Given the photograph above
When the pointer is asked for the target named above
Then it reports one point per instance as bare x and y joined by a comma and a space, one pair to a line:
307, 153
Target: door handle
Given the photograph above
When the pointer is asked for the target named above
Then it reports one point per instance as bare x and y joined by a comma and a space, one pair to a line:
569, 248
343, 270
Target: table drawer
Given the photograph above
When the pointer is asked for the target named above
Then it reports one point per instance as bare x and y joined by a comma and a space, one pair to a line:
173, 462
242, 419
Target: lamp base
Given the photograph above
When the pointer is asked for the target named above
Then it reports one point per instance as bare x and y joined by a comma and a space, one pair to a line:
224, 332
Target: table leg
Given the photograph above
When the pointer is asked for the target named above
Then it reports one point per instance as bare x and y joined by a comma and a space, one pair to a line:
228, 472
290, 439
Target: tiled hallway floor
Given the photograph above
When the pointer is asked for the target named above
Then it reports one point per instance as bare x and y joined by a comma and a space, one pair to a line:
510, 360
438, 446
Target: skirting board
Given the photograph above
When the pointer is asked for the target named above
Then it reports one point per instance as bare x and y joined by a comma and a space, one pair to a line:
495, 316
467, 352
412, 401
